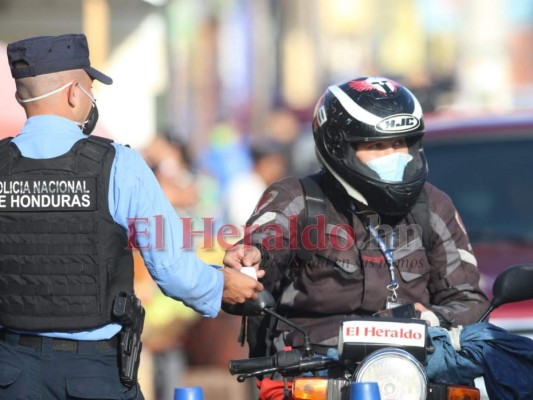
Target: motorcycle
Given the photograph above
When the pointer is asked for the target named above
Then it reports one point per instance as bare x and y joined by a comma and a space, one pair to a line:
388, 350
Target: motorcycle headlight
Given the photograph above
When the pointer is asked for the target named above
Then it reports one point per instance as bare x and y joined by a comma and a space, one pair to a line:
399, 375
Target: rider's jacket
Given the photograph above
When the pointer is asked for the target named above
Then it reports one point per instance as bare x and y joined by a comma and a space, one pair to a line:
347, 274
62, 257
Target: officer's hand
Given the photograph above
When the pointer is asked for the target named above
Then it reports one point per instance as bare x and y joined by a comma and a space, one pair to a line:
242, 255
238, 287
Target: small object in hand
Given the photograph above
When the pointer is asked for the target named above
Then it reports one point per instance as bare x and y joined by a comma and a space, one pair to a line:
250, 271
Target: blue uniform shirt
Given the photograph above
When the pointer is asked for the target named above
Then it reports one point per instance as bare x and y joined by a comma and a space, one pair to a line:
134, 194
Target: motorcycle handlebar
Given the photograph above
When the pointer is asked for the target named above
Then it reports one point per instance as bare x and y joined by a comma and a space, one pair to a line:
291, 360
278, 360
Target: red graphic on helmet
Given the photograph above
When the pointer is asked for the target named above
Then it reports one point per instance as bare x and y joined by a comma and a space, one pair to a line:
382, 85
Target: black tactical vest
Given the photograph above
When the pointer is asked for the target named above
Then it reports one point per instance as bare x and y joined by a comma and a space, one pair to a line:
62, 257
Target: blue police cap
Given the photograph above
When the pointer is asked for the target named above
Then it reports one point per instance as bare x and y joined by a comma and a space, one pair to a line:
47, 54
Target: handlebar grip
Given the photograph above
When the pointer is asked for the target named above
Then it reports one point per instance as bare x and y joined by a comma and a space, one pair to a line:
279, 360
251, 365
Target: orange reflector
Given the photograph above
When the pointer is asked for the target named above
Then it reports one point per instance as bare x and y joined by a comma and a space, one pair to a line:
310, 389
463, 393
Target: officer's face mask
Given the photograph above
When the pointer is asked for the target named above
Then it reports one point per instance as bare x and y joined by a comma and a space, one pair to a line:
390, 167
45, 95
86, 126
89, 124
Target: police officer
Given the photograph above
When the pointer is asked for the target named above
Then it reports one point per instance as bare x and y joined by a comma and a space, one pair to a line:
383, 236
72, 206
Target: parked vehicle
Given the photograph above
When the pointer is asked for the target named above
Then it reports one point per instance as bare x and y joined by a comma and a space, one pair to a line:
485, 165
388, 351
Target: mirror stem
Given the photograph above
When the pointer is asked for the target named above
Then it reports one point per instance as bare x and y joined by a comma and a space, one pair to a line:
486, 313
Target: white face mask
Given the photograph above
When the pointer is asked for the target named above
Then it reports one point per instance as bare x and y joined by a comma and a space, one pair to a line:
86, 126
43, 96
89, 124
390, 167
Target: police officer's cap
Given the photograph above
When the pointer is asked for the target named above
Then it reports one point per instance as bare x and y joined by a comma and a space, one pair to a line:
47, 54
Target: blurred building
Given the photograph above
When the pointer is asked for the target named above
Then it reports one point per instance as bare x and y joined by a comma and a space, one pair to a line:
191, 63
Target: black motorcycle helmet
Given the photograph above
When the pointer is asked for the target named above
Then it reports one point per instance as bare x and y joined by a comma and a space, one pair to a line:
363, 110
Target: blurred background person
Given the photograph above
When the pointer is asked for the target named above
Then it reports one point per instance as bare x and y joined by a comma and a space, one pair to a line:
164, 361
269, 164
171, 163
284, 125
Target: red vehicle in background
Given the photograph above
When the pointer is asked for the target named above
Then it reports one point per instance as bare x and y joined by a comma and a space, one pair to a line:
486, 165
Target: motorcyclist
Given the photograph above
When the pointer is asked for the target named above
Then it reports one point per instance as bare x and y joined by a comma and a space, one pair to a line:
385, 237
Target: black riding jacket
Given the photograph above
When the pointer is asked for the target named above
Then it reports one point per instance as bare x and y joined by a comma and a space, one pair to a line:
348, 276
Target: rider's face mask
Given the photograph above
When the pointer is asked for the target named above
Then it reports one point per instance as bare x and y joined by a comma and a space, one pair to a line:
390, 167
89, 124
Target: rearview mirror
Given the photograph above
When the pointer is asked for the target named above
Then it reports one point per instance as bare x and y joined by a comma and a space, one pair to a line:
512, 285
251, 308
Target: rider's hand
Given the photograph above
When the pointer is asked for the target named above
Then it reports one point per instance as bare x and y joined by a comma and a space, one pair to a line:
429, 316
238, 287
244, 256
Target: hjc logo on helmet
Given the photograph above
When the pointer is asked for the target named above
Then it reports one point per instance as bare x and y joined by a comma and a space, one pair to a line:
398, 123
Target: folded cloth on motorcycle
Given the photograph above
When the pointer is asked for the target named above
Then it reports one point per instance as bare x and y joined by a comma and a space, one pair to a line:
504, 359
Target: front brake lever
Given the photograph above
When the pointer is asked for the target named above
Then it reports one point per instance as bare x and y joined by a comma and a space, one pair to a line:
241, 378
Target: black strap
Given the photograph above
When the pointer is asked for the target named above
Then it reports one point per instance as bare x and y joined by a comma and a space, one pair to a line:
315, 205
421, 215
5, 141
36, 342
95, 148
4, 152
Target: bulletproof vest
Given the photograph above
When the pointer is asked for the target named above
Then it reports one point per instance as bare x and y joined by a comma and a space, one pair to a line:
62, 256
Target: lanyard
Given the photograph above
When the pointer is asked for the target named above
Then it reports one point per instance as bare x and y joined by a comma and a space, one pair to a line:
388, 252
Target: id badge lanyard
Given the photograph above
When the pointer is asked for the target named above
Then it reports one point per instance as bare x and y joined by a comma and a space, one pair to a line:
388, 252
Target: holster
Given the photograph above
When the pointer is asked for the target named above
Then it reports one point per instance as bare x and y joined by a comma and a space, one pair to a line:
128, 310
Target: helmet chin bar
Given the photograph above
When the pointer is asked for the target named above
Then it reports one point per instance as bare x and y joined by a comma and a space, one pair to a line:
385, 202
352, 192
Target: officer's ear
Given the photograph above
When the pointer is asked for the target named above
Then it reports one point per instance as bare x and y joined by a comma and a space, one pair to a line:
74, 95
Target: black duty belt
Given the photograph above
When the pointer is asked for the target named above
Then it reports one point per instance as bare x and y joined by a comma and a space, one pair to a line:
36, 342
